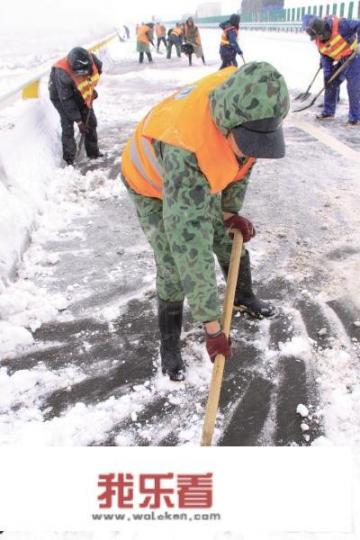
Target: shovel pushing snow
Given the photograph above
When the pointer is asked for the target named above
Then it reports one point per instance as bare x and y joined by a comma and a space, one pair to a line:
82, 136
219, 363
305, 95
332, 78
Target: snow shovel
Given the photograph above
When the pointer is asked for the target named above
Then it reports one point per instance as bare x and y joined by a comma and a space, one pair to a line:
332, 78
304, 95
82, 137
219, 363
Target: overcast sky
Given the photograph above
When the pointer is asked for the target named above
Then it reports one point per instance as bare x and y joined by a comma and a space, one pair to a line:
70, 13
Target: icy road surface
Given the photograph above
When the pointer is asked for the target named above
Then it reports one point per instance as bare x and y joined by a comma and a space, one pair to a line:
79, 338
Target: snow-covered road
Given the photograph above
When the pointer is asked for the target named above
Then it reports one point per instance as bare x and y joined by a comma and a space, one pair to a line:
78, 331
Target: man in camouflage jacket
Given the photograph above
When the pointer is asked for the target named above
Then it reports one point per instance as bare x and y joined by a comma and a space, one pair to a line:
188, 222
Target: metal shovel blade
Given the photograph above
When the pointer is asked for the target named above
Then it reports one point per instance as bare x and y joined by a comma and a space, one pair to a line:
302, 96
306, 105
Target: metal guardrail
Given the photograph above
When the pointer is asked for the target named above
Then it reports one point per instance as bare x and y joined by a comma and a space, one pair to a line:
277, 26
30, 89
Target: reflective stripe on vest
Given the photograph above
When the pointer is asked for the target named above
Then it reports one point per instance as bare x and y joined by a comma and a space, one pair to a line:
136, 160
183, 120
85, 84
244, 168
336, 47
176, 32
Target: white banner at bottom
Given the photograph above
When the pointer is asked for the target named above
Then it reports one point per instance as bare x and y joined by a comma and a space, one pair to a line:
234, 489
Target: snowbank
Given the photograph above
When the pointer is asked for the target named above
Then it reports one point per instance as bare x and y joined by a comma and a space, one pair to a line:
26, 171
30, 156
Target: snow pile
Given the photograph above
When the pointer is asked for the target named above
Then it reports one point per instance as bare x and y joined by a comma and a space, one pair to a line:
13, 337
32, 384
82, 425
23, 305
29, 154
302, 410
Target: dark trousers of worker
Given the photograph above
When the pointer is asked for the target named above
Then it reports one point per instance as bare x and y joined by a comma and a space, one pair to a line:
68, 133
352, 77
228, 56
141, 57
159, 41
177, 47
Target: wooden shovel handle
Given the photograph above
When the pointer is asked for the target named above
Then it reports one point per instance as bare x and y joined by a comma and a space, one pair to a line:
219, 363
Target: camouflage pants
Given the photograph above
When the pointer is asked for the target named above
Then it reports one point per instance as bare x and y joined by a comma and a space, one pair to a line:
183, 248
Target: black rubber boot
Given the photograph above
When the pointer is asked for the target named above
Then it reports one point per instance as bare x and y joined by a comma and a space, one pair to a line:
141, 57
325, 116
149, 57
245, 299
203, 59
170, 323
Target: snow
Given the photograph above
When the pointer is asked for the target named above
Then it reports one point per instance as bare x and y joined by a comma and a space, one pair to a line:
12, 337
39, 199
302, 410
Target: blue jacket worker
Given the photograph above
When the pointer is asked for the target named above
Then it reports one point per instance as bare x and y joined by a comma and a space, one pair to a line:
229, 46
337, 39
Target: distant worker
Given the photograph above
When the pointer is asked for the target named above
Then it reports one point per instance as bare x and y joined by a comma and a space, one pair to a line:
192, 41
229, 46
160, 32
72, 92
144, 36
174, 38
127, 31
337, 39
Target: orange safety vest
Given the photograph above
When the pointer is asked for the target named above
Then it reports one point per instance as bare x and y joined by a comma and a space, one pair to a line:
224, 36
142, 33
176, 32
183, 120
85, 84
160, 30
336, 47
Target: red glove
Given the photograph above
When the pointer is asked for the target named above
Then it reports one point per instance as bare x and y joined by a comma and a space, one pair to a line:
217, 344
245, 226
83, 128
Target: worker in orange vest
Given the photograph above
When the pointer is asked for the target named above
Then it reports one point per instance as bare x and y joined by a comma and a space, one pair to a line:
175, 36
337, 40
72, 91
160, 32
186, 168
144, 37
